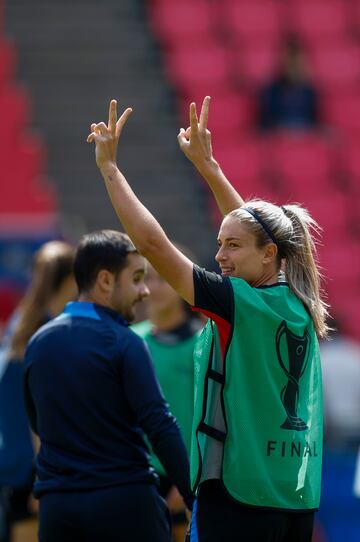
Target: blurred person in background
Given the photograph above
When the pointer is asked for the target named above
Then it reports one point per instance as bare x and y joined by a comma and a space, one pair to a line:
289, 101
257, 430
171, 332
52, 285
91, 395
341, 380
339, 515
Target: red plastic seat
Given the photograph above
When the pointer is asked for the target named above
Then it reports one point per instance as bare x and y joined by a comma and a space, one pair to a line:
256, 62
203, 67
243, 163
303, 161
178, 22
319, 19
29, 157
331, 212
353, 12
342, 110
341, 261
230, 111
352, 160
336, 64
14, 112
246, 20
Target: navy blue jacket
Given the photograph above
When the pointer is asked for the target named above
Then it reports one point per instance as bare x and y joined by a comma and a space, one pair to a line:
91, 393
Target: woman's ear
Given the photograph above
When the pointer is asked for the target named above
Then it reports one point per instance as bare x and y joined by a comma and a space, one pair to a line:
270, 253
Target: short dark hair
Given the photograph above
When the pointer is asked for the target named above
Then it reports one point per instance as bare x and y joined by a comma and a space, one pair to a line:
104, 249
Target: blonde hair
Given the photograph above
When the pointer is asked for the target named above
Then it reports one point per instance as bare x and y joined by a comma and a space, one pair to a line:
52, 264
292, 227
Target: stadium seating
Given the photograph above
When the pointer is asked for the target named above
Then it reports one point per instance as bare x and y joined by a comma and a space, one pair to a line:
255, 62
336, 64
302, 161
248, 20
342, 110
315, 168
15, 113
178, 22
21, 154
318, 19
205, 65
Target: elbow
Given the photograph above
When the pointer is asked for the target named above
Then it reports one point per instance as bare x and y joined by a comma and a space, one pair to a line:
148, 247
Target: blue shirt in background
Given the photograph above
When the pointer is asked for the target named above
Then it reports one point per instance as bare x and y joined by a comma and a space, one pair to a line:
90, 393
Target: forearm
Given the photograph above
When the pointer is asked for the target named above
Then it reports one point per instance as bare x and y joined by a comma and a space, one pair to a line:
227, 198
172, 453
143, 229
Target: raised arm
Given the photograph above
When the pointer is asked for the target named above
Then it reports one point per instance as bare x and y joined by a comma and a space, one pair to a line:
144, 230
195, 142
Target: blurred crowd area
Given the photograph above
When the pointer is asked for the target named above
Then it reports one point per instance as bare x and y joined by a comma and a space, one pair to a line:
284, 78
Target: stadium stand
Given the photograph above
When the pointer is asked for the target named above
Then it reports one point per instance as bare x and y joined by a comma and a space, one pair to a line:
229, 49
72, 77
28, 202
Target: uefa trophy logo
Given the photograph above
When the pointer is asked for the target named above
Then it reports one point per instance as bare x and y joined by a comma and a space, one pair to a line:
293, 354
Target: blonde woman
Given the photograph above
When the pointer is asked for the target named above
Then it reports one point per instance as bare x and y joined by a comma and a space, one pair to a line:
257, 429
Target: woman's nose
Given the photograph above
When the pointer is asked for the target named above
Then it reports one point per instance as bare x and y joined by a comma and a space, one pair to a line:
219, 255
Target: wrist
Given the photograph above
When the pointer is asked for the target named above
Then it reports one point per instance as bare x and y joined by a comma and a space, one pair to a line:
108, 169
208, 167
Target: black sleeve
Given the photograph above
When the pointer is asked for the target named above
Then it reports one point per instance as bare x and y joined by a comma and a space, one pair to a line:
213, 294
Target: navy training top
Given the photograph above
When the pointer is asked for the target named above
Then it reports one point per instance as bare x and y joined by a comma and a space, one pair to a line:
90, 393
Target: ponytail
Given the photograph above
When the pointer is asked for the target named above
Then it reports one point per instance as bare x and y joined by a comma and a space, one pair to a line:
301, 270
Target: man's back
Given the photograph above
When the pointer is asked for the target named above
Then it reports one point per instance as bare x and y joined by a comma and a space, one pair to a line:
86, 385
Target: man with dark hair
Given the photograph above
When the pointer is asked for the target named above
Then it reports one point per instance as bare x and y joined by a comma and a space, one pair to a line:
91, 394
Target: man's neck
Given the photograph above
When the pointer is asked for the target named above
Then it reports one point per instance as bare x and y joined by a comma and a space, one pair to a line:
91, 297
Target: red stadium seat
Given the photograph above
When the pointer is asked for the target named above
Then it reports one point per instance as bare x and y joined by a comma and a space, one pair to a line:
230, 111
14, 112
256, 62
319, 19
243, 163
336, 64
303, 161
353, 160
30, 160
341, 262
342, 110
247, 20
180, 22
331, 212
205, 66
